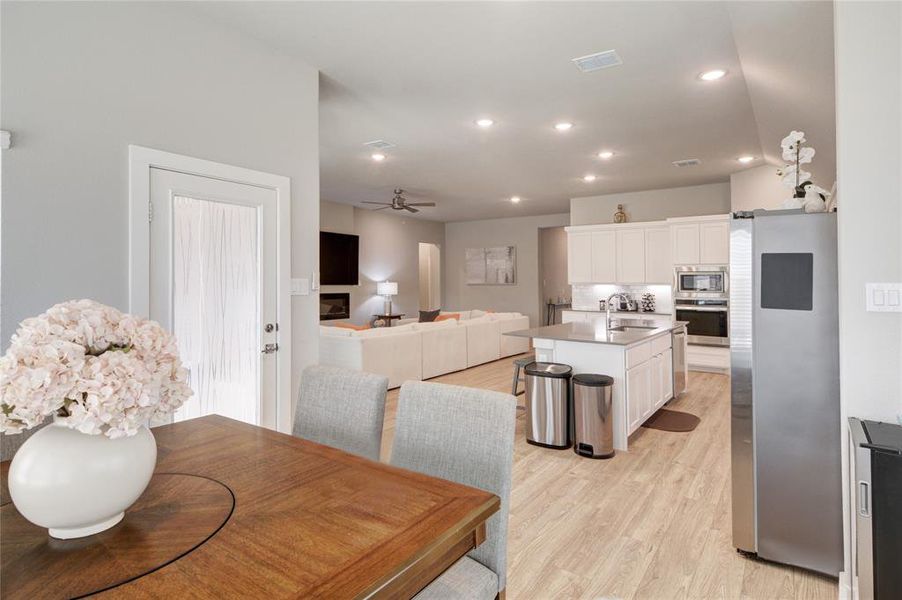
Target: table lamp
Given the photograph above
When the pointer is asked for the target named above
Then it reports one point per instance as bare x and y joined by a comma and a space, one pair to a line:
387, 289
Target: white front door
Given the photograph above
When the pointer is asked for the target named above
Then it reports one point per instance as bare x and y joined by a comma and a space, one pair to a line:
213, 283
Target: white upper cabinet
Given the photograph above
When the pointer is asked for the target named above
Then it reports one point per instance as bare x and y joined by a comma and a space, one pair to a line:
604, 256
684, 237
700, 240
630, 256
637, 253
579, 257
714, 242
658, 264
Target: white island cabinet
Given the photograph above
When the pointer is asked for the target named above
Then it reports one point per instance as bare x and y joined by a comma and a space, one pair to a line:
640, 359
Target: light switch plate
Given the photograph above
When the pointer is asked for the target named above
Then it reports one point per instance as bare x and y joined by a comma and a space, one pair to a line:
883, 297
300, 287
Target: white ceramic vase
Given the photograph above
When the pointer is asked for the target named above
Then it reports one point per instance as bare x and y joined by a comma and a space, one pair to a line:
77, 484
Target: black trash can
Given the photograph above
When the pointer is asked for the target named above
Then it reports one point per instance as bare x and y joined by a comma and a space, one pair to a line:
593, 419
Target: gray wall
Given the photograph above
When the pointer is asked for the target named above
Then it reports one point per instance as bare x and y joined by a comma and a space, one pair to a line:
522, 232
758, 187
869, 152
389, 249
82, 81
553, 264
653, 205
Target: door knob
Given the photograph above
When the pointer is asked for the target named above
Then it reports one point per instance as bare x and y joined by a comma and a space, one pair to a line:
270, 348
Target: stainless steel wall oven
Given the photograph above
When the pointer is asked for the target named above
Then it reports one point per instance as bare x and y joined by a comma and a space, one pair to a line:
708, 320
702, 297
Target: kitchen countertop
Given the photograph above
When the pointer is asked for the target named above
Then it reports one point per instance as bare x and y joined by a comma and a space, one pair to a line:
622, 313
595, 334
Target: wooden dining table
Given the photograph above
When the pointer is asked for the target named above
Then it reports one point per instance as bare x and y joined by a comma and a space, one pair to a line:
235, 510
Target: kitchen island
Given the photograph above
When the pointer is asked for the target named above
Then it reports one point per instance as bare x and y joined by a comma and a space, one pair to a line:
637, 353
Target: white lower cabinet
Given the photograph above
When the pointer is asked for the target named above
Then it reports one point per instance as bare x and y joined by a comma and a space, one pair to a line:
638, 393
649, 384
667, 370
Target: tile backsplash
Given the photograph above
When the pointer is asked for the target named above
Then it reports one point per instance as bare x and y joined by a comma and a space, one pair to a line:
586, 296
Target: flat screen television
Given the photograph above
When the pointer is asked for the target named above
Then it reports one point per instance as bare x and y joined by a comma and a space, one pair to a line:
338, 256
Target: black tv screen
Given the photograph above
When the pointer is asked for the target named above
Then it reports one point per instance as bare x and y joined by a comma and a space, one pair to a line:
338, 258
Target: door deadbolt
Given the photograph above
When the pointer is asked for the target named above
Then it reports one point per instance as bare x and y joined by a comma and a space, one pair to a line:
269, 328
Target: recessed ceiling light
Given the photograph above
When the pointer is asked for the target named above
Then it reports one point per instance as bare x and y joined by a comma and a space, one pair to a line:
589, 178
515, 199
377, 157
712, 75
563, 126
745, 159
605, 154
485, 123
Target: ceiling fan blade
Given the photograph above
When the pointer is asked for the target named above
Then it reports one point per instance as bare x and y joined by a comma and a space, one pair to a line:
409, 209
421, 204
382, 203
382, 208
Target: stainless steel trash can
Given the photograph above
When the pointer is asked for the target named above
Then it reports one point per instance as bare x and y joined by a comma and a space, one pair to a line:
548, 404
593, 422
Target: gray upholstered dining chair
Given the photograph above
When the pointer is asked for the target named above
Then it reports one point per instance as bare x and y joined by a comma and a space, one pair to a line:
341, 408
464, 435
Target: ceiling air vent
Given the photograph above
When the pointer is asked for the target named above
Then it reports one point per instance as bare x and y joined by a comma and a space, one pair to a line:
687, 162
379, 145
600, 60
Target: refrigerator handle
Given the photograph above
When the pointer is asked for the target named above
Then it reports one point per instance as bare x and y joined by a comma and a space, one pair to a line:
864, 499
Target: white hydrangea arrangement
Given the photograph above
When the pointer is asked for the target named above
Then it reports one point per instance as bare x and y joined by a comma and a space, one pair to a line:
96, 369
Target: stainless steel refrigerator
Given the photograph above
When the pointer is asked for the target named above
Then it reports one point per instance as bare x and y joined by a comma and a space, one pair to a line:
785, 416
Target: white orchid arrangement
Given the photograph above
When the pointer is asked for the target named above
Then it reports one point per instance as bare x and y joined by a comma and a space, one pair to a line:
811, 197
96, 369
797, 155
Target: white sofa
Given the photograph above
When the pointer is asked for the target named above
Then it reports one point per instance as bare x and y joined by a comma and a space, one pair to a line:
416, 351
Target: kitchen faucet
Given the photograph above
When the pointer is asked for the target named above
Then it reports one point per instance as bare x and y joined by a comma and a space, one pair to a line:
620, 296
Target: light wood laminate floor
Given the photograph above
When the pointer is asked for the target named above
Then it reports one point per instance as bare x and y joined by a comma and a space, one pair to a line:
651, 523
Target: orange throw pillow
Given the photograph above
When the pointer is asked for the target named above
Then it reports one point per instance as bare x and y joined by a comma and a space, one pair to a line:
446, 316
352, 326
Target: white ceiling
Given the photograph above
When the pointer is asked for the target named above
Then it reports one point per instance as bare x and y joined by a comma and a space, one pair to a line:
418, 75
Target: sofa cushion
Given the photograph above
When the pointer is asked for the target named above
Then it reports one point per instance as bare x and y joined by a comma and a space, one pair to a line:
334, 331
476, 313
477, 321
427, 316
464, 314
443, 324
503, 316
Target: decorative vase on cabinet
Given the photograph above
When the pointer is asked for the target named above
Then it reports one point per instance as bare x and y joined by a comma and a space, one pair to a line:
77, 484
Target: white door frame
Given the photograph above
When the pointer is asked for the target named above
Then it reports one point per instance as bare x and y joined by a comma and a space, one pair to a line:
140, 161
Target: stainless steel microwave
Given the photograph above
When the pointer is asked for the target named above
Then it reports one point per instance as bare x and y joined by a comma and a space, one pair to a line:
704, 280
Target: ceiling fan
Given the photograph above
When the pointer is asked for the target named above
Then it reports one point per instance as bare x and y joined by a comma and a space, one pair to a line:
399, 202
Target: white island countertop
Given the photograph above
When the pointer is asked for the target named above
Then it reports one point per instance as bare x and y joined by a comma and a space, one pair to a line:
634, 331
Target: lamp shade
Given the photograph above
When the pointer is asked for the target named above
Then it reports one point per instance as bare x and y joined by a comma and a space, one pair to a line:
387, 288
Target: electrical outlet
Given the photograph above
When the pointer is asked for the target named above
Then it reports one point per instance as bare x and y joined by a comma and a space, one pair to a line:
883, 297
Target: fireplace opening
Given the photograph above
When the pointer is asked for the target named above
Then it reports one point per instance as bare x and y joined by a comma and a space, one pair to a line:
334, 306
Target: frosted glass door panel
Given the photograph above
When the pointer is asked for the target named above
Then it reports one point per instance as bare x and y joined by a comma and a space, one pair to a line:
216, 306
214, 284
